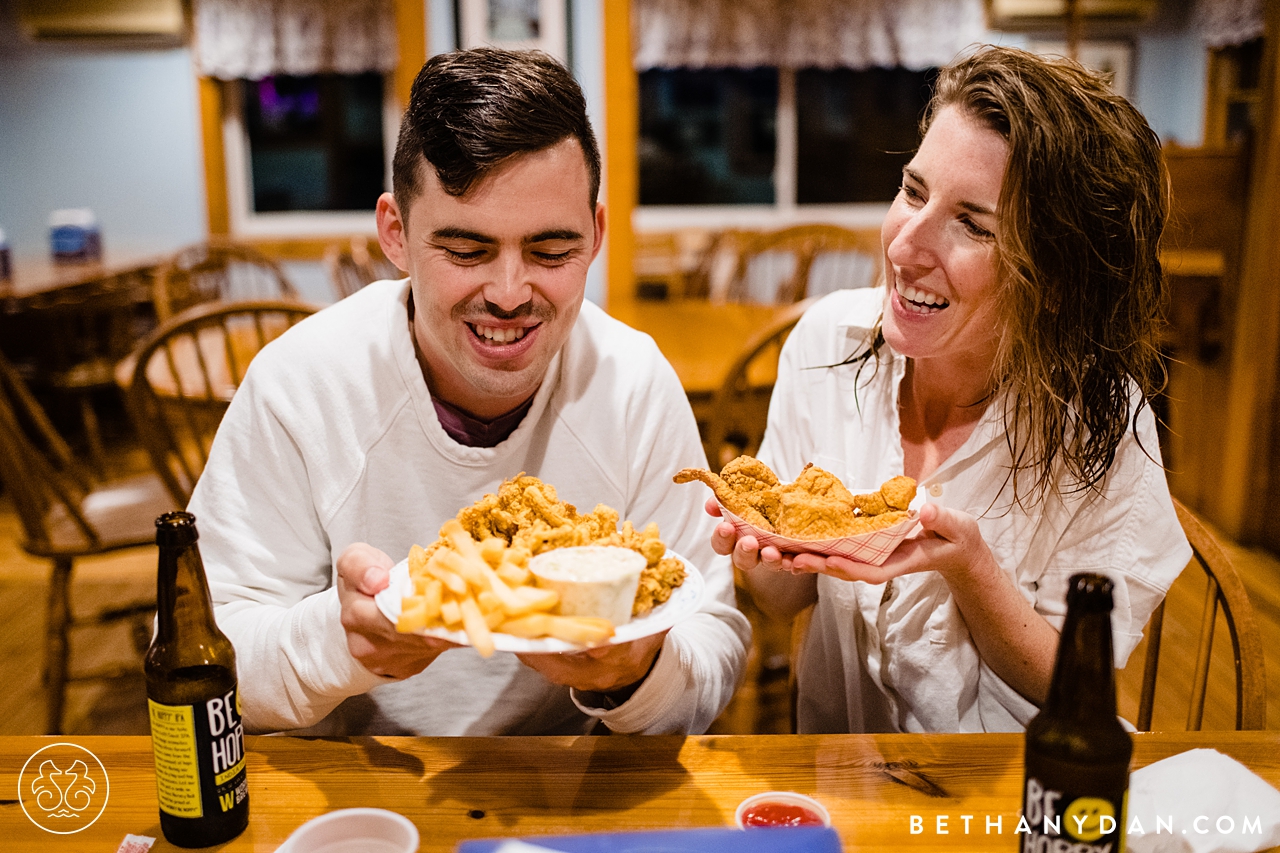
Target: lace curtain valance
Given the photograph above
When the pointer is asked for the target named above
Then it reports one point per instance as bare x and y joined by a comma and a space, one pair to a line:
254, 38
1223, 23
912, 34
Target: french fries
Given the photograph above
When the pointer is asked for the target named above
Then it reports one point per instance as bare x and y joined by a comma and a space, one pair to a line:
483, 587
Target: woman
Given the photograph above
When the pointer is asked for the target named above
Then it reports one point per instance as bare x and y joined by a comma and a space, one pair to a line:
1006, 365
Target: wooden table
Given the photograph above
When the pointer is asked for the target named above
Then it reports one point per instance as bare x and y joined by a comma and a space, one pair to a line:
460, 788
37, 281
699, 338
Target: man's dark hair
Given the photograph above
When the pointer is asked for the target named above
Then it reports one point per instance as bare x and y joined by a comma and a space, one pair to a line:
472, 110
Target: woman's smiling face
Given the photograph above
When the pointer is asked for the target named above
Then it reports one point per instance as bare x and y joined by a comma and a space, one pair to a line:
939, 245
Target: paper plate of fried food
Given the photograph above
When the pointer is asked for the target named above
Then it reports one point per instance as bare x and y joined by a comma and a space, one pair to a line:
816, 514
476, 584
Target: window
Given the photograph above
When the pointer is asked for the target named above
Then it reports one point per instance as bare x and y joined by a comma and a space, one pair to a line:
315, 143
307, 155
707, 136
855, 130
777, 137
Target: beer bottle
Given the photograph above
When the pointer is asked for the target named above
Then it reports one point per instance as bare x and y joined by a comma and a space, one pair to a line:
1077, 751
196, 732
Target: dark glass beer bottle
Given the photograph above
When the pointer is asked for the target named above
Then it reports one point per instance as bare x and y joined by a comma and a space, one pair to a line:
1077, 751
196, 732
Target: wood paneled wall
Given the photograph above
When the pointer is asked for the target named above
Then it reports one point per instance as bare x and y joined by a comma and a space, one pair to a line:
1250, 493
1207, 214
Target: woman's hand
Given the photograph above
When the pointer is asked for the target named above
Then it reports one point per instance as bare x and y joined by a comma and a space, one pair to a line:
950, 544
746, 551
777, 588
1015, 641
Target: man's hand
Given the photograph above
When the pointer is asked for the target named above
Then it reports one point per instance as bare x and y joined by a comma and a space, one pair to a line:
599, 670
363, 572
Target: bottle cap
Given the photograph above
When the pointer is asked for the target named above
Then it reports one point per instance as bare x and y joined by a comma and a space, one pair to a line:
175, 529
1089, 591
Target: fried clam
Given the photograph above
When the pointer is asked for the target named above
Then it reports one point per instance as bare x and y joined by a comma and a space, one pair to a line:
728, 496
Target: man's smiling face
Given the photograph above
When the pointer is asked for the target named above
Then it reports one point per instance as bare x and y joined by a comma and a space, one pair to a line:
498, 274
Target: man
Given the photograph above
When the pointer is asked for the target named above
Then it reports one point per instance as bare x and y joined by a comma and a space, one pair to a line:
364, 428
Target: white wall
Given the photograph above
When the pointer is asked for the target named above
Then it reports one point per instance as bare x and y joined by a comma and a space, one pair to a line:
109, 129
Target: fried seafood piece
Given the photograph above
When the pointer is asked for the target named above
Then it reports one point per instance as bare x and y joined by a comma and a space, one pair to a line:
871, 504
728, 496
802, 515
819, 483
656, 583
899, 492
542, 501
756, 482
895, 494
747, 474
486, 518
871, 523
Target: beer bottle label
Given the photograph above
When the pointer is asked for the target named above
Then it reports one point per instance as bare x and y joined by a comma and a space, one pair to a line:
1078, 817
199, 753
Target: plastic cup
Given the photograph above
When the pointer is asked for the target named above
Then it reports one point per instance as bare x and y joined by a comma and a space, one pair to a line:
780, 808
354, 831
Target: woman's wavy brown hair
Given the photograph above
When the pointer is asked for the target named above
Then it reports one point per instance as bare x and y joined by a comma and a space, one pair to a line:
1080, 216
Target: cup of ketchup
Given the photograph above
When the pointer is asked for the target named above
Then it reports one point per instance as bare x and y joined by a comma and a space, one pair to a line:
781, 808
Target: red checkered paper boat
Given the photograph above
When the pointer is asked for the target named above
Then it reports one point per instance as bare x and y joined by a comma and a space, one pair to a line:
873, 548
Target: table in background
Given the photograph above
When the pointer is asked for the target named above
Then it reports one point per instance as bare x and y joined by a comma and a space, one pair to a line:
39, 282
461, 788
700, 338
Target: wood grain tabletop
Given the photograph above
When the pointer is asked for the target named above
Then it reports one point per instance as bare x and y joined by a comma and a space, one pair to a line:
876, 787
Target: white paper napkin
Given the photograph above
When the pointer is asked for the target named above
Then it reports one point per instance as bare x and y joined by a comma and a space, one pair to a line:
1201, 801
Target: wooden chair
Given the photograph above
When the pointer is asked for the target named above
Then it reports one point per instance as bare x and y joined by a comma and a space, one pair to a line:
79, 339
656, 266
352, 265
65, 515
1224, 591
789, 264
738, 411
217, 271
185, 374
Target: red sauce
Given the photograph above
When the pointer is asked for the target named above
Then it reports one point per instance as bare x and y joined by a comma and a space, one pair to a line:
780, 814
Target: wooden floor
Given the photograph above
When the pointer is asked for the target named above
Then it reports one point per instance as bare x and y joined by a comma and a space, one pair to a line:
760, 707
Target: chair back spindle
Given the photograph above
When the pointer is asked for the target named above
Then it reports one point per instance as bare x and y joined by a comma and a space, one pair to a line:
1224, 593
217, 271
787, 265
186, 373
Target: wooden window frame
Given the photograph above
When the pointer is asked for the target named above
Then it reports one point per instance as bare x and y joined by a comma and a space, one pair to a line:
293, 235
